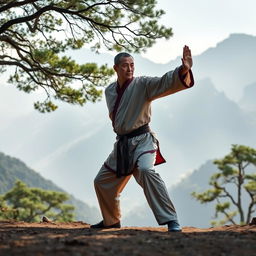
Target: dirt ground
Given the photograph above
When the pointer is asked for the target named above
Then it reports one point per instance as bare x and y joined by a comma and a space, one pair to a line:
76, 238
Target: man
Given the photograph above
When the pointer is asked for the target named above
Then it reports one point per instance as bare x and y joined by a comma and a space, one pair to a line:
136, 150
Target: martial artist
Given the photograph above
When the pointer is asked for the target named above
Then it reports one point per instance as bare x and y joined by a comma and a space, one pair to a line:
136, 150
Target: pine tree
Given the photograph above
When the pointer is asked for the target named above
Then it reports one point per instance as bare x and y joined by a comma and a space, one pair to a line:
23, 203
36, 34
236, 177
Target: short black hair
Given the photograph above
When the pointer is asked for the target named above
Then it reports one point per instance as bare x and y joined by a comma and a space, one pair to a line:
121, 55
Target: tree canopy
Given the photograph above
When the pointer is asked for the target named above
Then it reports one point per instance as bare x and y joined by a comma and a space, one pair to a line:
235, 179
36, 34
30, 204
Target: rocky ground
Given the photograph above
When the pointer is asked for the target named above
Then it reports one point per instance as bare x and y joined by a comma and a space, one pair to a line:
68, 239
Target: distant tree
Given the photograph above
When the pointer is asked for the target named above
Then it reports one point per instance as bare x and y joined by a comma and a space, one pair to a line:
30, 204
229, 184
35, 34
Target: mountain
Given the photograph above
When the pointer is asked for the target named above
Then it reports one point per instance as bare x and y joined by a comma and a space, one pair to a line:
230, 65
248, 101
70, 145
12, 169
61, 145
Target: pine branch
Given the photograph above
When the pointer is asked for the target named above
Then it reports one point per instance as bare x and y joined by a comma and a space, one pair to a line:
15, 4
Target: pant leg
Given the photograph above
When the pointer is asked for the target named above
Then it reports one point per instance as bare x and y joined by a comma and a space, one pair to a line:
154, 189
108, 188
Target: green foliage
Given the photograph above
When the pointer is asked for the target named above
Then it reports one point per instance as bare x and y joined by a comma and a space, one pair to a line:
12, 169
208, 195
232, 177
23, 203
35, 34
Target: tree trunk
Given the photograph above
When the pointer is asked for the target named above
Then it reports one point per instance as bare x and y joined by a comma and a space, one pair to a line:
240, 182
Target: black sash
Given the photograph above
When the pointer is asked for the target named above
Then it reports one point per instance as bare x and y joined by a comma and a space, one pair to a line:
123, 168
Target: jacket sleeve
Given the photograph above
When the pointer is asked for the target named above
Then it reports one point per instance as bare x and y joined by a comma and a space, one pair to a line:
110, 96
169, 83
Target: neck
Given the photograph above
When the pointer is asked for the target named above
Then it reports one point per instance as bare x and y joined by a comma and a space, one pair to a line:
121, 82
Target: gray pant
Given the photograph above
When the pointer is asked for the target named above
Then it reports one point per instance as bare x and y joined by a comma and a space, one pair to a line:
108, 188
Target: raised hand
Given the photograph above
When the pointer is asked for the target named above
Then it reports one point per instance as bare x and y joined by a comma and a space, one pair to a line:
187, 61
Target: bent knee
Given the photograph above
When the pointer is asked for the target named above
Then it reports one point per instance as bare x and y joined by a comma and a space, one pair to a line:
145, 167
146, 162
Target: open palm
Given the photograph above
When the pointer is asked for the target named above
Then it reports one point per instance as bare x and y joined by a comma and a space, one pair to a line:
187, 61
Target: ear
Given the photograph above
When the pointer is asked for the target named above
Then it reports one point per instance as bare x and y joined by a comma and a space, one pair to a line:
115, 67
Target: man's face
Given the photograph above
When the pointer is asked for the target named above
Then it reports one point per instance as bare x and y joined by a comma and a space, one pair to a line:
125, 68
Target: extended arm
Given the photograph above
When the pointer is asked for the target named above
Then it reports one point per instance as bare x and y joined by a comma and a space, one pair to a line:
173, 81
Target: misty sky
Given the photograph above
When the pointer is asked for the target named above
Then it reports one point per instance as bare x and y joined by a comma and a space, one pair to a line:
201, 24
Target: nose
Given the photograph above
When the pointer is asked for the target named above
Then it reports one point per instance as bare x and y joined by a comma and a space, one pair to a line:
130, 68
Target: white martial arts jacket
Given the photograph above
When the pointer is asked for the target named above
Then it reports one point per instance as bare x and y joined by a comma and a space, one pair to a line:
130, 108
